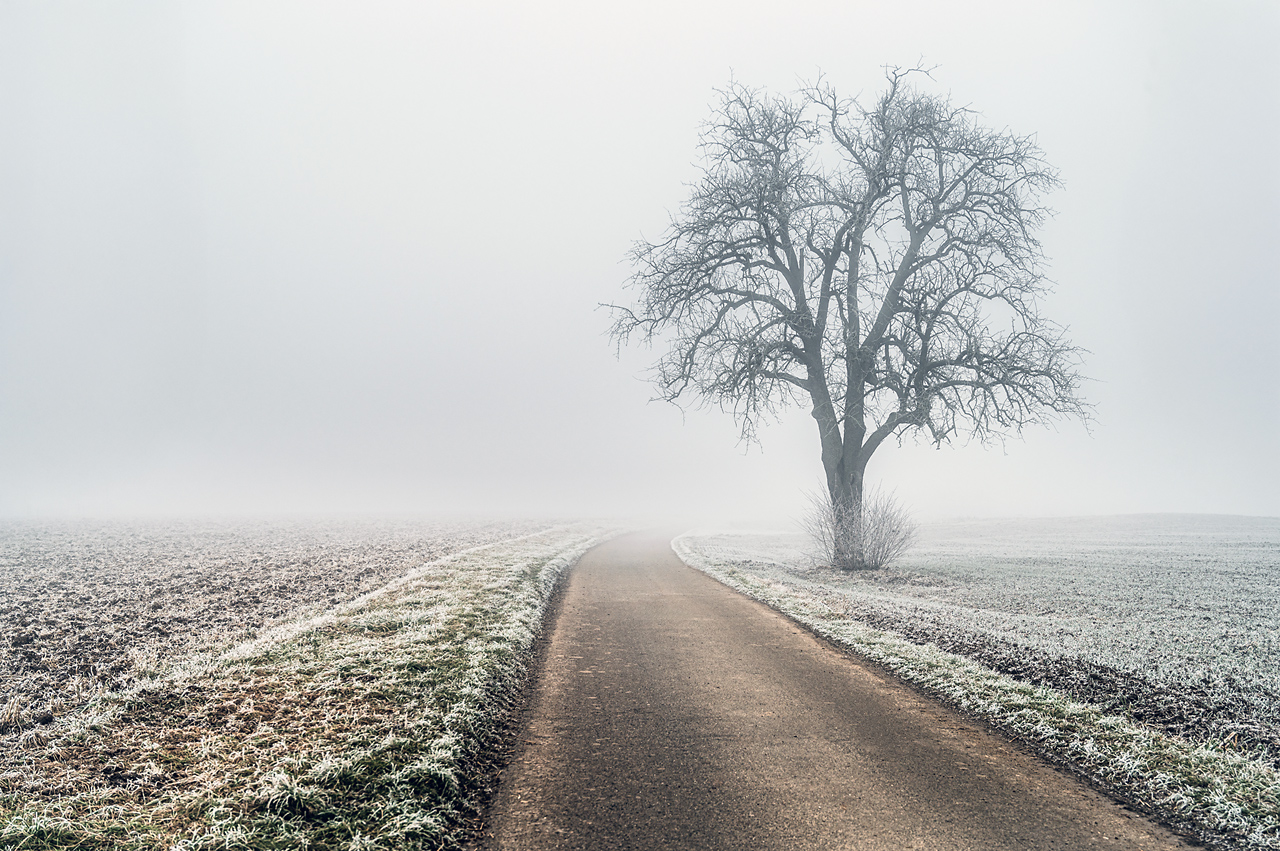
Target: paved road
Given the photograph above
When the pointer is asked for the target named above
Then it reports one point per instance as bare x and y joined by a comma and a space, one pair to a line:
674, 713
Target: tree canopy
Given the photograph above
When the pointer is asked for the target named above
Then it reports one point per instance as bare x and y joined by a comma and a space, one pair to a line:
878, 263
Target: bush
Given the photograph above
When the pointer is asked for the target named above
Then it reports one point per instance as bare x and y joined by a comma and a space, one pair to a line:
867, 539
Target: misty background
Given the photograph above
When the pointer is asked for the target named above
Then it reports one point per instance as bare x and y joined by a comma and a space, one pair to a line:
333, 257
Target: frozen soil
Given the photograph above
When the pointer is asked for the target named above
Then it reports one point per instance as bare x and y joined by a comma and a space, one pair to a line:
91, 607
1212, 708
1026, 617
367, 724
1171, 620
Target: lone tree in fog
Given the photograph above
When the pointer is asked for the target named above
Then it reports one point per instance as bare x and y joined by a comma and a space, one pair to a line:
879, 264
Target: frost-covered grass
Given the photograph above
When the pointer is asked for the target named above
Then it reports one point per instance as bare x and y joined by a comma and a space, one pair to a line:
89, 606
363, 727
1172, 619
1068, 634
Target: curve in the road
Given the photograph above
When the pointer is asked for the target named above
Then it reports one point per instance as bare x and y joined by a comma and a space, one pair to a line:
672, 712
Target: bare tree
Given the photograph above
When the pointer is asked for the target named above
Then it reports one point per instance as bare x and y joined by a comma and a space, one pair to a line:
879, 264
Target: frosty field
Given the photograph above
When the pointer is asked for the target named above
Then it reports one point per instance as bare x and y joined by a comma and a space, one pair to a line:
1174, 618
86, 607
321, 686
338, 685
1168, 621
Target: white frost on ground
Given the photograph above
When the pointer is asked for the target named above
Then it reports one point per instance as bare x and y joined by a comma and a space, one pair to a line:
367, 726
1172, 597
1176, 598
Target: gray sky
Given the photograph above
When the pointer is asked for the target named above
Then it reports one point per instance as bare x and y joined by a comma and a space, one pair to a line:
345, 256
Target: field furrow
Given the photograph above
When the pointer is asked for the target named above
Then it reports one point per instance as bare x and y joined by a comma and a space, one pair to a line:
361, 725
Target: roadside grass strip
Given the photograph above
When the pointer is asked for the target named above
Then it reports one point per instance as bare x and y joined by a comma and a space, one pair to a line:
1221, 793
365, 727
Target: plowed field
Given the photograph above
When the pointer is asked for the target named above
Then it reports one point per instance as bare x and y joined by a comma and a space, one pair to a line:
86, 607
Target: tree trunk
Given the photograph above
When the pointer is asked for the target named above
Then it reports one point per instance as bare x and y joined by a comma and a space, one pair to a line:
845, 489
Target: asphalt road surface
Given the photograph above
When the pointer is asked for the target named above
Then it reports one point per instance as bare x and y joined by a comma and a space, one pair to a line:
672, 712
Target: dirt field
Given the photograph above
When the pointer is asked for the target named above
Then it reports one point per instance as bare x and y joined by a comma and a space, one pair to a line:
87, 607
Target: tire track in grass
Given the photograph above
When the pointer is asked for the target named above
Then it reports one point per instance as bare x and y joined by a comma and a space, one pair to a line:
359, 728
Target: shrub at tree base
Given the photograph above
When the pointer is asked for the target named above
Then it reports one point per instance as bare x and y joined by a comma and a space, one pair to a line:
867, 537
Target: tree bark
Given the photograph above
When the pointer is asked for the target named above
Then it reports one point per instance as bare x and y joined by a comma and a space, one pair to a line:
846, 490
845, 470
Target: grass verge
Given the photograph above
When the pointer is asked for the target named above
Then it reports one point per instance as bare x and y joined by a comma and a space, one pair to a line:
361, 728
1226, 796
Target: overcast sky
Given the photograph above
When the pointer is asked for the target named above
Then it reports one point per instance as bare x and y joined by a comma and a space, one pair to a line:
299, 257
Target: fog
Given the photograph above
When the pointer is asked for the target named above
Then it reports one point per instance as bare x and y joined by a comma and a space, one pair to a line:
330, 257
